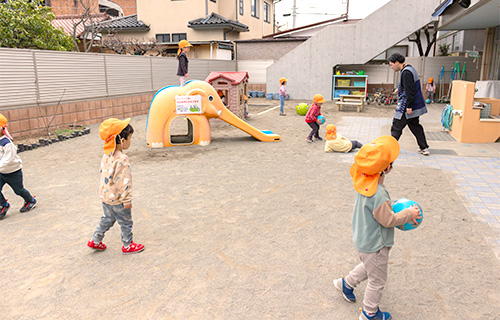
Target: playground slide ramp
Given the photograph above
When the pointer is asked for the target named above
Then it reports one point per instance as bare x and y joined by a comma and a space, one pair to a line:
265, 136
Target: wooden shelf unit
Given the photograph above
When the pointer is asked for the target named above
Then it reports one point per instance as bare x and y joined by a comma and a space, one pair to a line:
349, 85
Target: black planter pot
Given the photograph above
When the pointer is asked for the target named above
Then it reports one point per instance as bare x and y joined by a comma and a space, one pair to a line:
20, 147
60, 137
78, 133
34, 146
54, 140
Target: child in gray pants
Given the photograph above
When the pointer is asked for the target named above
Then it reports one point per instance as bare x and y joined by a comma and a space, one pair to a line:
373, 224
116, 185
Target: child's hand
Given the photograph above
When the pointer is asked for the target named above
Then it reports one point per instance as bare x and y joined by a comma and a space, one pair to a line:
186, 75
415, 213
127, 205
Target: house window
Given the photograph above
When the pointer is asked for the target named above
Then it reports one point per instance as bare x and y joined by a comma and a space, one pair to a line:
266, 12
176, 37
255, 8
163, 37
241, 7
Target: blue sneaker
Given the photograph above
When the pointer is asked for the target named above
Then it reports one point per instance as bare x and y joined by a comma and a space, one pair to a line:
346, 289
379, 315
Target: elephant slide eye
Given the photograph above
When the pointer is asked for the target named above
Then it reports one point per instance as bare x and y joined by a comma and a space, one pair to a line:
210, 98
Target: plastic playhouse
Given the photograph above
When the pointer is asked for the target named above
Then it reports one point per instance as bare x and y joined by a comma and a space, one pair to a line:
196, 102
233, 86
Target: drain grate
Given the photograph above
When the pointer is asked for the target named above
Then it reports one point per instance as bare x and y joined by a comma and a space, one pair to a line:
443, 151
438, 136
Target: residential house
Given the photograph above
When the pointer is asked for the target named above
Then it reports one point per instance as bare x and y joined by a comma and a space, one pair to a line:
211, 26
113, 8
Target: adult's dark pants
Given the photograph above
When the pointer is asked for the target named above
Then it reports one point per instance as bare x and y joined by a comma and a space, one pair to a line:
415, 128
315, 130
15, 181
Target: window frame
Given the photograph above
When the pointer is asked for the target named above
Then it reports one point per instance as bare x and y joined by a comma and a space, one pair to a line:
265, 12
179, 35
254, 8
241, 5
163, 37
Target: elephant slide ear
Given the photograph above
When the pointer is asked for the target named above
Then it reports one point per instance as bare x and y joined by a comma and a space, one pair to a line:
197, 91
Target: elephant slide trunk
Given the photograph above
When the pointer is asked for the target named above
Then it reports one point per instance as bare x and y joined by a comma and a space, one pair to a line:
230, 118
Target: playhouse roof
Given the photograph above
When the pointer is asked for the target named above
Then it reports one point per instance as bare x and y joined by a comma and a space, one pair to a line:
235, 77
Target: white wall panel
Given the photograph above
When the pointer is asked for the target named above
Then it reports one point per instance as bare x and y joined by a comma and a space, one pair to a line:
17, 78
66, 76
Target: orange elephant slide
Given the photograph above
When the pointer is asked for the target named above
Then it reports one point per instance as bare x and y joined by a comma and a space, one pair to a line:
197, 102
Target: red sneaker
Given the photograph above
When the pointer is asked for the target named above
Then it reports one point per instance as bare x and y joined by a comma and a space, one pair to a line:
133, 248
100, 246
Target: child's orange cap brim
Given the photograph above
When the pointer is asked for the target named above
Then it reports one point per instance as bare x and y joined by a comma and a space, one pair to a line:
370, 161
331, 132
108, 130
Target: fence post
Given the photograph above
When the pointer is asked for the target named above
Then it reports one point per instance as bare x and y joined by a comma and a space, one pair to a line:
106, 76
151, 72
37, 82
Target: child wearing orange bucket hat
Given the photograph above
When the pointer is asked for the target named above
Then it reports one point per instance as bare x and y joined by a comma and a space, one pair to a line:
430, 87
115, 189
182, 70
312, 117
11, 172
373, 224
335, 142
283, 95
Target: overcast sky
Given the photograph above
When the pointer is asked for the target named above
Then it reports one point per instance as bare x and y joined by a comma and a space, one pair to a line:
311, 11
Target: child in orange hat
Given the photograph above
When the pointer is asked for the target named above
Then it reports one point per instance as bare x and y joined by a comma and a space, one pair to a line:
335, 142
430, 87
115, 188
283, 95
182, 69
11, 172
373, 224
312, 117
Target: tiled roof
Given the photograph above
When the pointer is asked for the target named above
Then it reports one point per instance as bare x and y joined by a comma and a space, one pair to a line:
234, 77
125, 23
67, 22
216, 21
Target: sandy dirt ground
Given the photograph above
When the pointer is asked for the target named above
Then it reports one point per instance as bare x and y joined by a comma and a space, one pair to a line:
239, 229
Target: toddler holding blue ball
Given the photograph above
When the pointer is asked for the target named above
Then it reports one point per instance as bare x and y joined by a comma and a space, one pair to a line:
373, 224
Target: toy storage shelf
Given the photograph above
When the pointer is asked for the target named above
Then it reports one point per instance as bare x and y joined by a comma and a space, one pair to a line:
349, 85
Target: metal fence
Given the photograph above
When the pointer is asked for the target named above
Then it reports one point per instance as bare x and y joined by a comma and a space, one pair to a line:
35, 77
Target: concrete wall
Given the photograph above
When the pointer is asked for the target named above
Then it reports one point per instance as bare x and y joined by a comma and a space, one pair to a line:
265, 50
309, 67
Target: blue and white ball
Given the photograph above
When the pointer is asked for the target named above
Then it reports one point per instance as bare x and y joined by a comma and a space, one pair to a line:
403, 203
321, 119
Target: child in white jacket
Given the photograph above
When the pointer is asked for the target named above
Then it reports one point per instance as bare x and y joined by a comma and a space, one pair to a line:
11, 171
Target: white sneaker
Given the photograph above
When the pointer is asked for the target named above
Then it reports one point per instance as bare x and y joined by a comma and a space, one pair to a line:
424, 152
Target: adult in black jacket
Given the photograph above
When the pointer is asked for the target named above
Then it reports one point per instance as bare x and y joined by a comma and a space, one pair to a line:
182, 70
411, 104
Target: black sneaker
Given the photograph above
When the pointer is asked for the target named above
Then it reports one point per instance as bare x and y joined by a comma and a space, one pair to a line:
29, 205
319, 138
4, 210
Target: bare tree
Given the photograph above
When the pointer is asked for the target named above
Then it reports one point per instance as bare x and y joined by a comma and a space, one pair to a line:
115, 44
431, 39
132, 46
91, 27
141, 46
